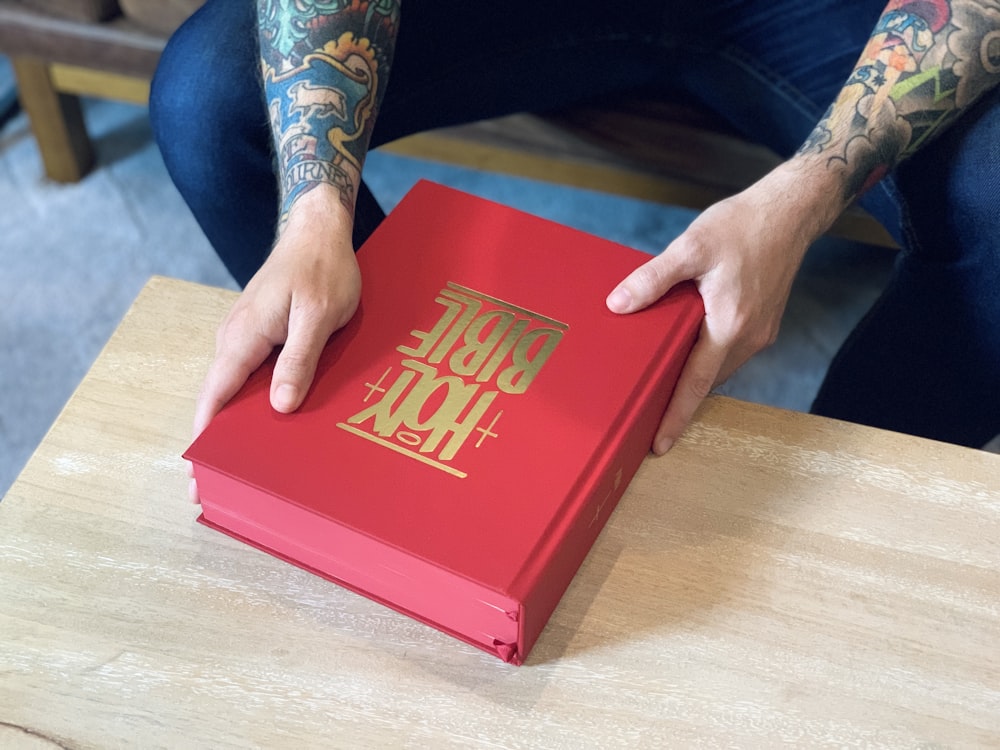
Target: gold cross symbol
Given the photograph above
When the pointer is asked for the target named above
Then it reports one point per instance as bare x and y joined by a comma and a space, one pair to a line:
488, 432
374, 388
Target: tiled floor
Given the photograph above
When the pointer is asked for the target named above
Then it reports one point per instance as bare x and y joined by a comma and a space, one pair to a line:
73, 257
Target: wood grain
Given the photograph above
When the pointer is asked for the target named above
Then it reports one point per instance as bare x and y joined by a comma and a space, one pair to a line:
776, 580
72, 79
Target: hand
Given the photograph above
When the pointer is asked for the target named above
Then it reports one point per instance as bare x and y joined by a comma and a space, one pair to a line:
308, 288
743, 254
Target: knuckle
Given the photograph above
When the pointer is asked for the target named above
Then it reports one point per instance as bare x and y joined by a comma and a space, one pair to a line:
651, 281
648, 277
234, 321
742, 329
295, 363
699, 386
695, 248
311, 310
770, 337
696, 240
238, 324
764, 337
322, 312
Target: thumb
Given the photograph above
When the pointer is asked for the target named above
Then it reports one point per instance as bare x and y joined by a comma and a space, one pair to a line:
645, 285
296, 365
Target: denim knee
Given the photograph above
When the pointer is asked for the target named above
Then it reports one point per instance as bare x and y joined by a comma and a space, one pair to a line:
209, 119
206, 90
952, 188
926, 358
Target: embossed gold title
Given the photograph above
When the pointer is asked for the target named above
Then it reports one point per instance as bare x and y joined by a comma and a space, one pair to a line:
444, 392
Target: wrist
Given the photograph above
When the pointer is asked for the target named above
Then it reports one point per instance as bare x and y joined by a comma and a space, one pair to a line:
319, 210
812, 194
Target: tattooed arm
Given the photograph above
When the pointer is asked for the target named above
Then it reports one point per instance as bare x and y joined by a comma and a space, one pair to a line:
324, 65
925, 63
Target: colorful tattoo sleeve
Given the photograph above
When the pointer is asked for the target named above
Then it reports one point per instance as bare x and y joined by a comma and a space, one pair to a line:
325, 64
925, 63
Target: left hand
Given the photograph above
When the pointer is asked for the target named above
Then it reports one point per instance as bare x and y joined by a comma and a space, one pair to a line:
743, 254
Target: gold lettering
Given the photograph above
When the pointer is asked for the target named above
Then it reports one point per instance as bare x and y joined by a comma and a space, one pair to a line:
502, 351
446, 418
386, 421
466, 360
472, 308
397, 410
526, 365
432, 412
429, 338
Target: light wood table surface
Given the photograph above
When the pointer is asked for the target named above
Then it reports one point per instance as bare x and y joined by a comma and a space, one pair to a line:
776, 580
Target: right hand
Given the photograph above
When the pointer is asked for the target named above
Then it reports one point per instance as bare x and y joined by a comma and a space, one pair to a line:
308, 288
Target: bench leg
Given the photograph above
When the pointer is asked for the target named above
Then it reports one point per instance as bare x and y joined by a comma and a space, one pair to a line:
56, 120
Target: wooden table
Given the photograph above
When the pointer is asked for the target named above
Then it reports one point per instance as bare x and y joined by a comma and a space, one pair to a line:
777, 579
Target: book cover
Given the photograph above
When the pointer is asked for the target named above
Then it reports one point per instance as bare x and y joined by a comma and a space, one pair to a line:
468, 432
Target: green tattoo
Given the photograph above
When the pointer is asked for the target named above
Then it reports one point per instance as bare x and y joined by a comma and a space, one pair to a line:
925, 63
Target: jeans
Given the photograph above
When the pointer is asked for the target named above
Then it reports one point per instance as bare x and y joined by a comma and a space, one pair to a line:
926, 358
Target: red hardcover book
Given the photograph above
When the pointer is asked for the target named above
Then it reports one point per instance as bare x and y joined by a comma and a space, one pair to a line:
468, 432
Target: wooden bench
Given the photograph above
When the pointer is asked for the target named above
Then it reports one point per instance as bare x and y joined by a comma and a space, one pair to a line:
653, 150
57, 60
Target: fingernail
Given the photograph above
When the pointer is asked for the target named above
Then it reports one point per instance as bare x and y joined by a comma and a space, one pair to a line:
662, 446
620, 300
285, 398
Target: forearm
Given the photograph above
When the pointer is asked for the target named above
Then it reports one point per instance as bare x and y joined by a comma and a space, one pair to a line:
926, 62
325, 65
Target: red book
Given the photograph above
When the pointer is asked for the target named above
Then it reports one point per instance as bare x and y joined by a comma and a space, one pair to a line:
468, 432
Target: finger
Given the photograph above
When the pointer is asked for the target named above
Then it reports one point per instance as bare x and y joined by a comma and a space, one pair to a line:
192, 484
236, 360
648, 283
296, 366
698, 377
233, 364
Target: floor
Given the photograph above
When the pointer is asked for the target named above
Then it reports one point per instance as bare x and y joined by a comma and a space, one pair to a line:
73, 257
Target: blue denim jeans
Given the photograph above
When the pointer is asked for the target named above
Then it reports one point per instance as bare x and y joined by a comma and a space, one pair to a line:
925, 360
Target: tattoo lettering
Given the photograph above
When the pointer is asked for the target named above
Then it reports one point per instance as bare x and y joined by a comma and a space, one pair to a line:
315, 172
324, 65
925, 63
